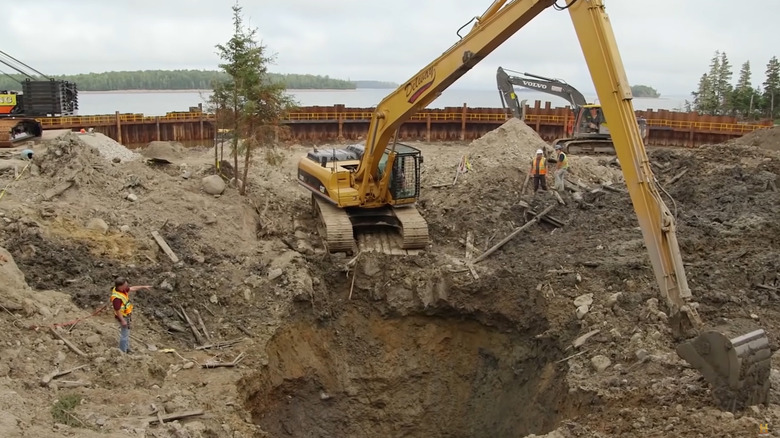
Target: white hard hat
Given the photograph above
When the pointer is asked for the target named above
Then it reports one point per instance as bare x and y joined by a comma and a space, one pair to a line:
539, 151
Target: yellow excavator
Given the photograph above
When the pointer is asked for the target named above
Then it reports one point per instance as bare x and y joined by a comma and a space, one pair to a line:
378, 184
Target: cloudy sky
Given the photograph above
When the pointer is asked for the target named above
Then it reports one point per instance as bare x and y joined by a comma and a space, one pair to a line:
664, 43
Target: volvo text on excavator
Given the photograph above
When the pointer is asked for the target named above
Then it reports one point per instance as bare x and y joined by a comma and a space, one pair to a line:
378, 184
40, 96
587, 131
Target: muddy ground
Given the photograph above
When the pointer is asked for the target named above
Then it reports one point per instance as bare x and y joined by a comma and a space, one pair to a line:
379, 345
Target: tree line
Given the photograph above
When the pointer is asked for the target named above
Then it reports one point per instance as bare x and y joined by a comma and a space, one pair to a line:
715, 94
180, 80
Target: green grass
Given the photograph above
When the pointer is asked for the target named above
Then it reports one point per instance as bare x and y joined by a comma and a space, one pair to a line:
62, 411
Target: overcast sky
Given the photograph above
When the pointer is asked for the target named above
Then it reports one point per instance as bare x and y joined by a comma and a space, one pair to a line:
387, 40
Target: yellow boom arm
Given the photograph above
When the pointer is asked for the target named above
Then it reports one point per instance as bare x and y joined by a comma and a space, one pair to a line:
597, 40
494, 27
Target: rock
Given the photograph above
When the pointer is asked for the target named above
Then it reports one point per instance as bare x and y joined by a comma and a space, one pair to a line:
93, 340
600, 362
584, 300
188, 365
582, 311
641, 354
613, 299
125, 229
213, 185
273, 274
166, 285
131, 197
186, 175
97, 224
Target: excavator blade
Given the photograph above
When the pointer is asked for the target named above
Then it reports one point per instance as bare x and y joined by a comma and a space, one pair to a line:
737, 369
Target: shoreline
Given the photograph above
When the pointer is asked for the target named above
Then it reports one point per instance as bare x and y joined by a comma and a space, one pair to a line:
136, 91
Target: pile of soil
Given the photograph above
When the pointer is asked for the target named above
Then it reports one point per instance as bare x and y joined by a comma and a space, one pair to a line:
768, 138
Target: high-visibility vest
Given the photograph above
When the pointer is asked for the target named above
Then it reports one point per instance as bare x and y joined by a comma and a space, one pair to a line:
127, 306
539, 166
564, 162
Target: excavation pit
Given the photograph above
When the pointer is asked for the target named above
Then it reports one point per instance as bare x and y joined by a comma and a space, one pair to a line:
367, 375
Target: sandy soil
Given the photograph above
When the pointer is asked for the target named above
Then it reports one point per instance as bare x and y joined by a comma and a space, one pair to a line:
379, 346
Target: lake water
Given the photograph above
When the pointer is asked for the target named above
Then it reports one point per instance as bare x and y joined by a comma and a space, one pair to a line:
157, 103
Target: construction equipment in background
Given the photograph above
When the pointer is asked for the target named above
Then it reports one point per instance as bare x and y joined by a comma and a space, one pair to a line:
587, 131
379, 183
39, 96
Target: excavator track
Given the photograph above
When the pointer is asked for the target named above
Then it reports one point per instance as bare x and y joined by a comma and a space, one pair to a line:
738, 369
586, 146
334, 226
388, 230
30, 129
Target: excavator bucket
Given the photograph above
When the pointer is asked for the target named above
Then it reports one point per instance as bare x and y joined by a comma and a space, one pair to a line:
737, 368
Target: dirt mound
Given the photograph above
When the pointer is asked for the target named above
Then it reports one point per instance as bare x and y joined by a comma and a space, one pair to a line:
109, 148
768, 138
164, 151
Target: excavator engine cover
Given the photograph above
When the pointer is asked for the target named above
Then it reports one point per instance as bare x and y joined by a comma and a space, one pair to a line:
737, 369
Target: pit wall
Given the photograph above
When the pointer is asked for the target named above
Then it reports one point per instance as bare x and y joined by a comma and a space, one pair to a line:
320, 124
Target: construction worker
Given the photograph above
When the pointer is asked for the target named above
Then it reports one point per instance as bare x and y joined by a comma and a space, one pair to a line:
539, 171
123, 309
561, 168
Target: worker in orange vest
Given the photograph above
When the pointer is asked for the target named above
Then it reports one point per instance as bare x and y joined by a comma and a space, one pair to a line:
539, 171
123, 309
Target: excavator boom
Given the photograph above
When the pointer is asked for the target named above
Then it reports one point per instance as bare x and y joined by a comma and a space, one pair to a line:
723, 361
556, 87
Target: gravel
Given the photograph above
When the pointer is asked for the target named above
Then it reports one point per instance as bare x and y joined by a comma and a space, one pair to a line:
109, 148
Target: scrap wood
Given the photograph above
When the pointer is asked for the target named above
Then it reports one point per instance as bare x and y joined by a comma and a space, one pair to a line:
558, 198
612, 189
513, 234
174, 416
219, 344
71, 383
525, 182
571, 356
678, 176
164, 246
192, 325
552, 220
57, 373
202, 325
70, 345
766, 287
233, 363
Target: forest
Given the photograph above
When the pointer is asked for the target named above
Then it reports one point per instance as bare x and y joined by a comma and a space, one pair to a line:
188, 80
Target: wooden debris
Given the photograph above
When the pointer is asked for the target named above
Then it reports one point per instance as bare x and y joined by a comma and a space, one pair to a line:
512, 235
579, 342
57, 190
70, 345
224, 364
71, 383
194, 329
558, 197
174, 416
219, 344
469, 251
578, 184
572, 356
612, 189
164, 246
244, 330
560, 271
56, 373
525, 182
678, 176
765, 287
552, 220
202, 325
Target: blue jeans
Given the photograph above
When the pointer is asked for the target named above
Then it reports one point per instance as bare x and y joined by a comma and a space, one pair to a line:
124, 337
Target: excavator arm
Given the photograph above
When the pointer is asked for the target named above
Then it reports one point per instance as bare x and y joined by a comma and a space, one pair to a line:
496, 25
555, 87
737, 368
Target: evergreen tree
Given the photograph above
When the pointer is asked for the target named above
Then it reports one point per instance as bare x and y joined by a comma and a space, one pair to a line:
254, 103
723, 85
744, 98
771, 95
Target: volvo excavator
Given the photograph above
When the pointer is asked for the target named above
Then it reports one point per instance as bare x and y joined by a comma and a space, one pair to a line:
40, 96
588, 132
378, 183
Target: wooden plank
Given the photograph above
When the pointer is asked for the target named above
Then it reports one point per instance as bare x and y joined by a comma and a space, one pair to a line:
513, 234
57, 190
164, 246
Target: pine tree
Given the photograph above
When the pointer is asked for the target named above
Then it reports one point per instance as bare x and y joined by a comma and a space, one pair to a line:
254, 103
744, 97
704, 99
723, 86
771, 95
